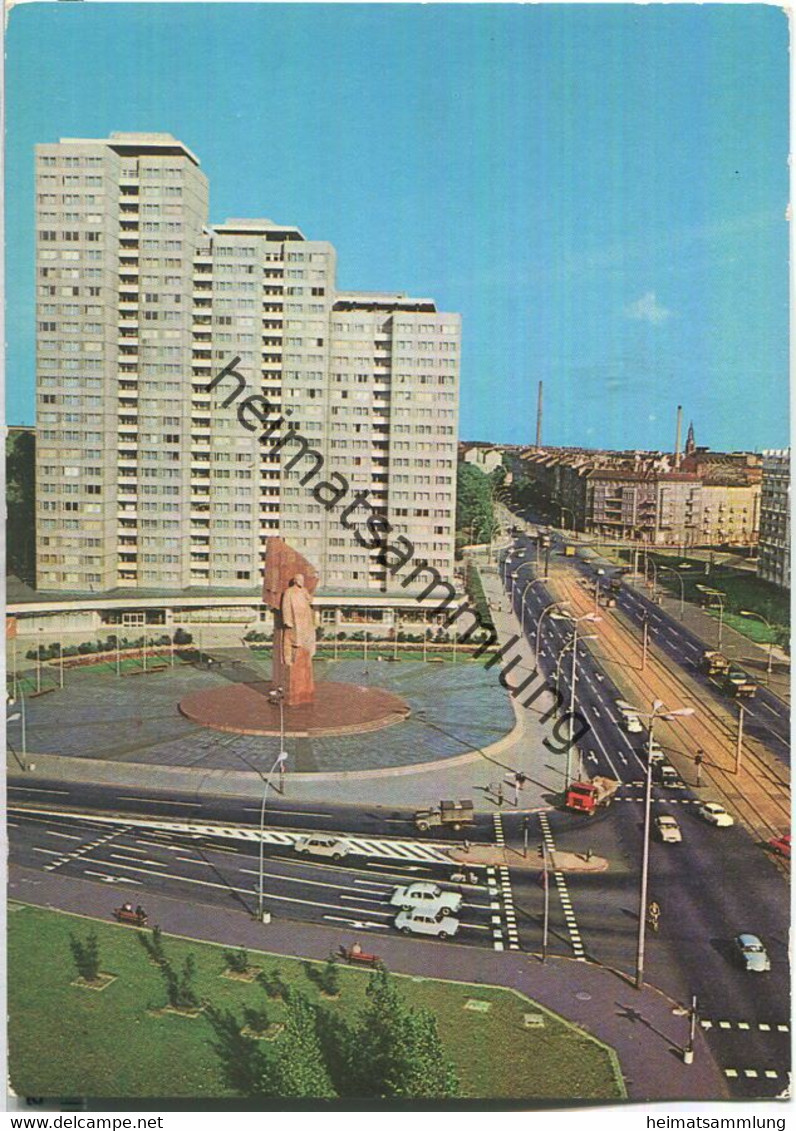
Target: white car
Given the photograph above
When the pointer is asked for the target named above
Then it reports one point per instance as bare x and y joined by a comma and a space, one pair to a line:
426, 898
715, 814
331, 846
667, 829
632, 724
425, 923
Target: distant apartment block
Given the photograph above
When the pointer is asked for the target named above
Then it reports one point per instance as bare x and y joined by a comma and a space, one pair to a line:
144, 479
773, 562
710, 499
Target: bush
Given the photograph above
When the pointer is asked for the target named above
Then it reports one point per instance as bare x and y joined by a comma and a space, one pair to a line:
181, 988
182, 637
274, 984
237, 960
86, 956
257, 1020
153, 945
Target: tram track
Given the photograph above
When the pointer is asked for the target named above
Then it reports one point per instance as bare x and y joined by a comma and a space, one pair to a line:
760, 793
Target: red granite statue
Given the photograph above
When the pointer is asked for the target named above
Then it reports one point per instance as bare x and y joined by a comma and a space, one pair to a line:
289, 584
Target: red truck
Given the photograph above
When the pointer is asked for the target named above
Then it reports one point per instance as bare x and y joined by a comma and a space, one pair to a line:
589, 796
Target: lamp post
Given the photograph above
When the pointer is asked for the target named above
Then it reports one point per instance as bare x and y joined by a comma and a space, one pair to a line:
770, 627
515, 575
651, 562
277, 765
532, 582
38, 661
575, 621
547, 609
597, 581
60, 665
22, 717
739, 739
679, 576
719, 595
659, 711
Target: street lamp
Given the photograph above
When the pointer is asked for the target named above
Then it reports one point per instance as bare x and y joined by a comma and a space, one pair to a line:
678, 575
547, 609
648, 561
20, 717
533, 581
659, 711
280, 759
719, 595
770, 627
514, 576
575, 621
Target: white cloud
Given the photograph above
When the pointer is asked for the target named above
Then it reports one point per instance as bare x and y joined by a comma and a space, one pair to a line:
648, 309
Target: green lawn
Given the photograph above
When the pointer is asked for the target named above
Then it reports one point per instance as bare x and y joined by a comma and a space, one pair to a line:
743, 591
68, 1041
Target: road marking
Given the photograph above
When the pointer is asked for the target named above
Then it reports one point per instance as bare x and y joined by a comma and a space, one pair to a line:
114, 879
38, 789
422, 852
563, 894
64, 836
155, 801
48, 851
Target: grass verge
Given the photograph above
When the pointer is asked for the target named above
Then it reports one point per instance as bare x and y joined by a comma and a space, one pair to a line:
65, 1042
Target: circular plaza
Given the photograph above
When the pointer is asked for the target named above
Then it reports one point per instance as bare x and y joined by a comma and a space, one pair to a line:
197, 717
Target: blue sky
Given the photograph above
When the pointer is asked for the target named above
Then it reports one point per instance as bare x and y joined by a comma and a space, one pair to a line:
600, 190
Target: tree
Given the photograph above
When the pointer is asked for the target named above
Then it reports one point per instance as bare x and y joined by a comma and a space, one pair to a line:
400, 1051
237, 960
475, 515
86, 955
299, 1069
21, 505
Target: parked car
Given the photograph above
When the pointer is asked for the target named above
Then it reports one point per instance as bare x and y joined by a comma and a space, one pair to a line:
715, 814
751, 953
426, 897
780, 845
424, 923
632, 724
323, 846
667, 829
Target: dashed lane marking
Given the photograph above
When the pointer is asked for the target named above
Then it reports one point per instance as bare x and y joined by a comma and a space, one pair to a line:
746, 1026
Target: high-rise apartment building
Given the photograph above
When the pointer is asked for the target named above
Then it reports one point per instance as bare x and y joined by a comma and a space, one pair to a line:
145, 479
773, 563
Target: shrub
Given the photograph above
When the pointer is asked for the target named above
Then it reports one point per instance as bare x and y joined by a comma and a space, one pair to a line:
237, 960
274, 984
86, 956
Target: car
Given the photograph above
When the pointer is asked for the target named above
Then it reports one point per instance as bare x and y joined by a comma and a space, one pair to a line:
331, 846
780, 845
751, 953
426, 897
425, 923
632, 724
667, 829
715, 814
666, 776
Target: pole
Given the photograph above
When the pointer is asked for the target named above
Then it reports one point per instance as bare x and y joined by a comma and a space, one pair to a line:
118, 655
571, 736
61, 665
38, 664
144, 648
546, 926
525, 837
688, 1051
23, 724
739, 739
425, 644
455, 642
171, 646
645, 860
645, 644
721, 621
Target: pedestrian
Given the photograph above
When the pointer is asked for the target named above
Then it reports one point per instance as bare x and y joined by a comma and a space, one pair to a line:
589, 853
466, 845
699, 758
500, 793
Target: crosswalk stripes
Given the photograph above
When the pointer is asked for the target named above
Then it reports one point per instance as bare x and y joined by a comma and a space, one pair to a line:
563, 895
418, 851
497, 933
753, 1073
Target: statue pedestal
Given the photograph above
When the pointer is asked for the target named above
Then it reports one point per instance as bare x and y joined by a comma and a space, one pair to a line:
337, 708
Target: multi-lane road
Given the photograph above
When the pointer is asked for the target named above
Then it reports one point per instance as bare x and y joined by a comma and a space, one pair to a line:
713, 885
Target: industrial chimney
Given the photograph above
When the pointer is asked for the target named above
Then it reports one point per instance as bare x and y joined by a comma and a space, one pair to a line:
679, 437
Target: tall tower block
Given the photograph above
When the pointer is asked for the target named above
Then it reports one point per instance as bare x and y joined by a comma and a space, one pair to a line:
539, 417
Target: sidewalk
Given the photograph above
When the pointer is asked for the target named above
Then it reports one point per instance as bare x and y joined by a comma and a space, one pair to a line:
646, 1028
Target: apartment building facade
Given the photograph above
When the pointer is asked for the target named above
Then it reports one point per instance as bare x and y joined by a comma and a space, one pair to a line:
146, 480
773, 563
